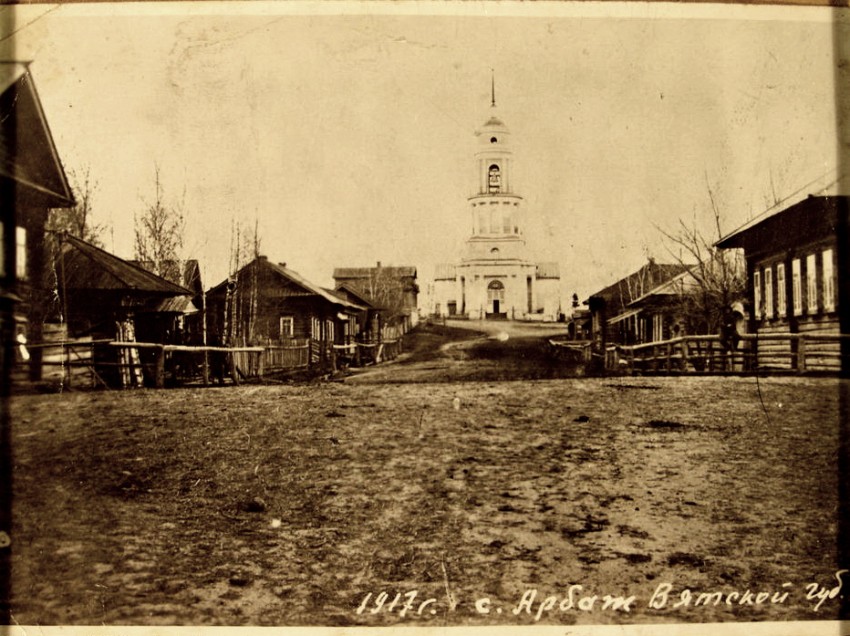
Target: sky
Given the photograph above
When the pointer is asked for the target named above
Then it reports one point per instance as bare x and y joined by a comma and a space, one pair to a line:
345, 132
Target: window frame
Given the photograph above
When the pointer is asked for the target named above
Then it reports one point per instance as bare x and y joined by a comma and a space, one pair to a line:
781, 298
797, 286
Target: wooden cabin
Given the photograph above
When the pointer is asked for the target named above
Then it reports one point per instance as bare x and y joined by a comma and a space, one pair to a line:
32, 181
186, 273
798, 283
613, 320
103, 297
266, 303
392, 290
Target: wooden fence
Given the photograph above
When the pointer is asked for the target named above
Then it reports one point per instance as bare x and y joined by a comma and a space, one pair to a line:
109, 363
776, 353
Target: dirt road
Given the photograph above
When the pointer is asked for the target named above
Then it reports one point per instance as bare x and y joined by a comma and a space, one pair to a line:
332, 503
473, 350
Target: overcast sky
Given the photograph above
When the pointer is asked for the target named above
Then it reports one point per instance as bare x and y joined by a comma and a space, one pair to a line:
350, 137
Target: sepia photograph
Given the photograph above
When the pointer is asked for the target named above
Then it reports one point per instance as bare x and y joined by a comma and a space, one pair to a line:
354, 316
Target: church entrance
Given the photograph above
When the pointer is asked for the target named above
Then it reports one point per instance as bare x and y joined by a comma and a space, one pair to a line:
496, 300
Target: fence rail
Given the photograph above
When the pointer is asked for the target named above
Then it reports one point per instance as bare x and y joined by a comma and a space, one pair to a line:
778, 353
111, 363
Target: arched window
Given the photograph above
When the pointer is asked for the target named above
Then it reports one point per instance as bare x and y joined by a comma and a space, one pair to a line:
494, 251
494, 183
495, 291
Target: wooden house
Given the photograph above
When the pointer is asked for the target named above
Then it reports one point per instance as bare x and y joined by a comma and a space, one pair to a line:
266, 303
98, 290
658, 314
798, 282
614, 320
32, 181
186, 273
368, 319
392, 290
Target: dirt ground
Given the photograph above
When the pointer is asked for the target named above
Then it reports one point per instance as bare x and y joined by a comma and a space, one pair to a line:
300, 504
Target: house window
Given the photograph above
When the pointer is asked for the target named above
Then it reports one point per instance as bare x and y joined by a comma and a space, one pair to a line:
506, 222
768, 292
780, 289
811, 284
796, 287
287, 326
21, 252
828, 282
757, 294
316, 329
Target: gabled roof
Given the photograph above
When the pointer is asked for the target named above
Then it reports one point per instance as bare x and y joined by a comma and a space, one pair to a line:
348, 292
296, 278
84, 266
190, 271
28, 156
670, 287
647, 277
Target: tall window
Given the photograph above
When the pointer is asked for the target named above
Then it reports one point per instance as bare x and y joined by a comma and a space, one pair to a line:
780, 289
757, 293
796, 287
21, 252
828, 282
768, 291
811, 284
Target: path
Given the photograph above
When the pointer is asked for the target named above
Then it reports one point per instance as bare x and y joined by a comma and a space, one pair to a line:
472, 350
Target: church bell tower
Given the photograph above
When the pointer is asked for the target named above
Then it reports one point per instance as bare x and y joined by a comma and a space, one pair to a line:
495, 206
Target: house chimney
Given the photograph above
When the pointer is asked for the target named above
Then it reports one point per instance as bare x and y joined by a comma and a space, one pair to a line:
282, 264
379, 264
260, 257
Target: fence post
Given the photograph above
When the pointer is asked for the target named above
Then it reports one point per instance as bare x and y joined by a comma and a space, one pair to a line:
231, 358
159, 367
684, 361
801, 354
205, 367
260, 362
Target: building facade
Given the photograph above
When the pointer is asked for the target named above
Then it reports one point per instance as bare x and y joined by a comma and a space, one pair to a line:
496, 277
798, 279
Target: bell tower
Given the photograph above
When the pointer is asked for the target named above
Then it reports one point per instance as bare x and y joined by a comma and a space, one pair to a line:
495, 206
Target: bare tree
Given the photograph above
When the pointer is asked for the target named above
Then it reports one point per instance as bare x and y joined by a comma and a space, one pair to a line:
159, 235
241, 296
77, 220
719, 275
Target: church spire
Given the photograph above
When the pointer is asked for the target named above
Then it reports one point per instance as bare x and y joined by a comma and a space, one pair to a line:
492, 88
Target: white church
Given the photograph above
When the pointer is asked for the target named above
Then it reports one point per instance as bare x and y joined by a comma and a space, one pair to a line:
496, 278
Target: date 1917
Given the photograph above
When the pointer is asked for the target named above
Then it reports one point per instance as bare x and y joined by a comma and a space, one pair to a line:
403, 603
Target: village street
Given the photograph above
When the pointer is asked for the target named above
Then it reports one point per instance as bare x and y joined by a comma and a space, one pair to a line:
473, 502
470, 350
